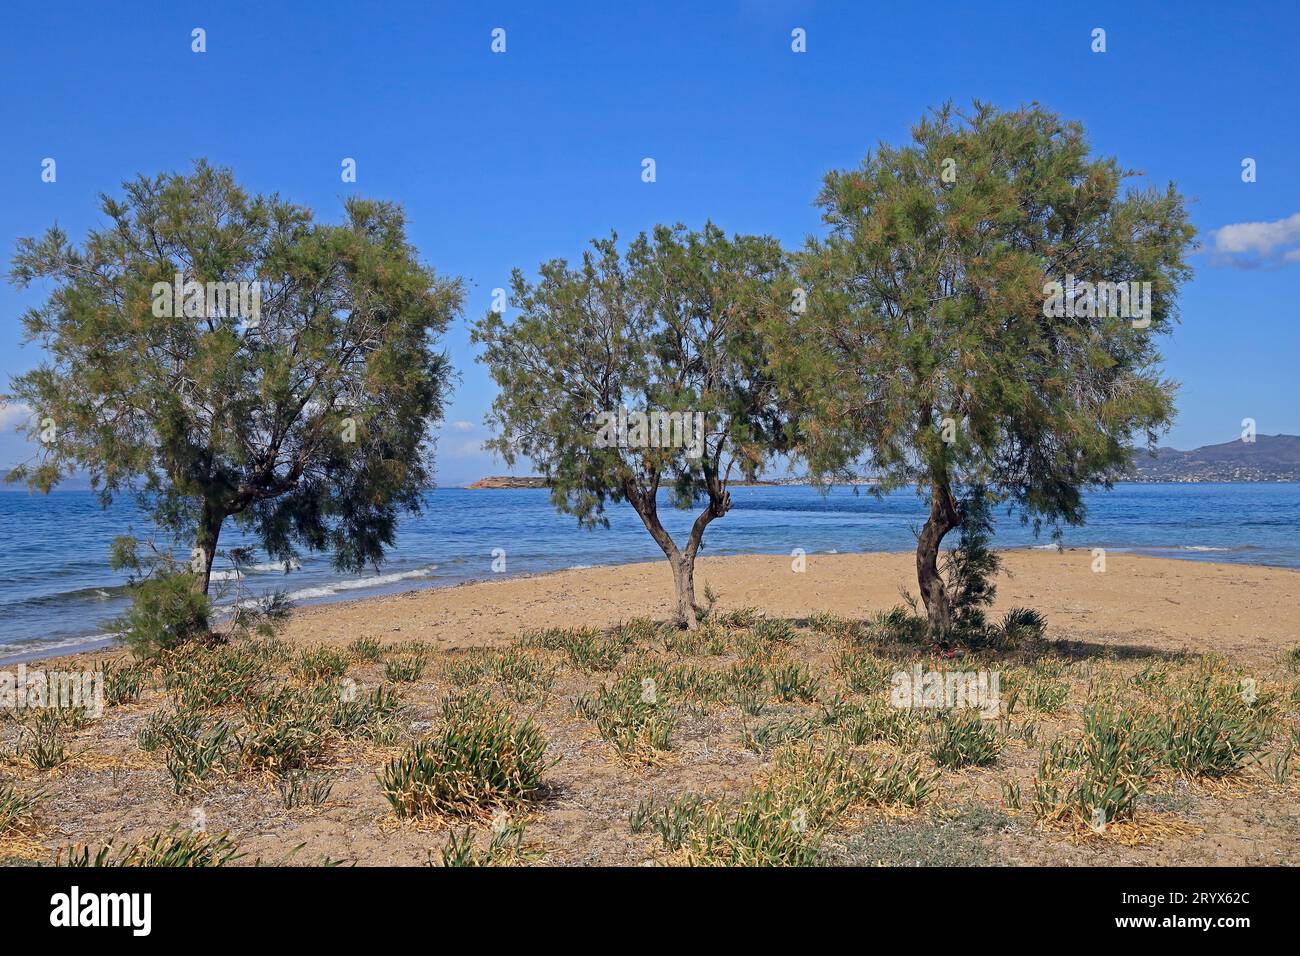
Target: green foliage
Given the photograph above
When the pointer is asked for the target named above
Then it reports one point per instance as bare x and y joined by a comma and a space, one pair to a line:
407, 664
962, 739
366, 650
192, 759
631, 715
969, 570
321, 664
173, 848
673, 325
925, 346
15, 807
1209, 729
505, 847
298, 789
166, 611
481, 758
43, 743
123, 682
1099, 778
307, 426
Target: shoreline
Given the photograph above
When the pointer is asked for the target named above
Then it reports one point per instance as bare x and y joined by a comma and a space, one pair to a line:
1173, 604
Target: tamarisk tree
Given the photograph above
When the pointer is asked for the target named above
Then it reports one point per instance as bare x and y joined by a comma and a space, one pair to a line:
226, 357
631, 375
983, 317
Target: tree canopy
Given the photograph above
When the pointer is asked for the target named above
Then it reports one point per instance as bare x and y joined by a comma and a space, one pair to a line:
226, 356
643, 371
935, 345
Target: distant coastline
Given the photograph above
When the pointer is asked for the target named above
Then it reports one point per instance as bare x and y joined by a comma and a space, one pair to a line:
1261, 459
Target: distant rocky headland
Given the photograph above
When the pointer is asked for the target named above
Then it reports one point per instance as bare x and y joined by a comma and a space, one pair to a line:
509, 481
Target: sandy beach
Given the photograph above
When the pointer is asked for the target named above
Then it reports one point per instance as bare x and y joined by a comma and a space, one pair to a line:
1146, 632
1247, 613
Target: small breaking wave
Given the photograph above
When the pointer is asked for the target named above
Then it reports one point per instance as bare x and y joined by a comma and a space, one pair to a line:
355, 584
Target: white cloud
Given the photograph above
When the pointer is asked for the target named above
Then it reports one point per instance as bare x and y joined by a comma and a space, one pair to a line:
1250, 244
14, 414
463, 426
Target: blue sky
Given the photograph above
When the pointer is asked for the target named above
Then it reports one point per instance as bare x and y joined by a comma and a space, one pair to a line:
504, 160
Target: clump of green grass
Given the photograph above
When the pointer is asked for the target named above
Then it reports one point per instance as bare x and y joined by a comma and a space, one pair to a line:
962, 739
192, 759
1020, 627
839, 628
287, 728
366, 650
784, 822
464, 671
672, 821
165, 725
1098, 779
709, 639
864, 673
299, 789
522, 675
15, 807
896, 782
373, 715
741, 617
638, 631
772, 630
123, 682
171, 848
322, 663
1210, 730
205, 676
775, 733
897, 625
587, 648
876, 721
42, 743
632, 716
1152, 677
482, 758
505, 847
407, 664
793, 682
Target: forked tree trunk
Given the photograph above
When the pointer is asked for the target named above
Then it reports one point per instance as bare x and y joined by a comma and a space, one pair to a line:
681, 560
944, 516
205, 546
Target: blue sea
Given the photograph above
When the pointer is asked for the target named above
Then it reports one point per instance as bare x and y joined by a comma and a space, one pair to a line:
57, 591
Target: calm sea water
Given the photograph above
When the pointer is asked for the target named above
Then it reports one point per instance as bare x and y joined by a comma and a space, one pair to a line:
57, 591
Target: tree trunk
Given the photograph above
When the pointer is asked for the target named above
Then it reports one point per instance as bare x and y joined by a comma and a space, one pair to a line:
683, 566
205, 545
681, 560
944, 516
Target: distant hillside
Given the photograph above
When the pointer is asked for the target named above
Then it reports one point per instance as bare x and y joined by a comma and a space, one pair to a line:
1267, 458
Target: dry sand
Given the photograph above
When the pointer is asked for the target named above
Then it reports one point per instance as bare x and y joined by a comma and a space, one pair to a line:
1140, 609
1247, 613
